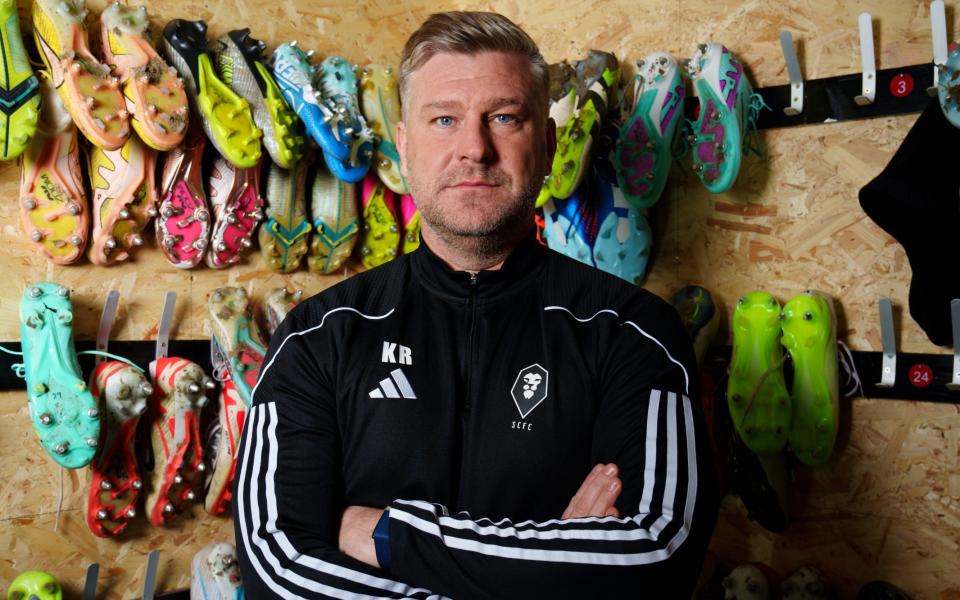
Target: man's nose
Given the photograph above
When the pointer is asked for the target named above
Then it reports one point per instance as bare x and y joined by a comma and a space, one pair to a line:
474, 143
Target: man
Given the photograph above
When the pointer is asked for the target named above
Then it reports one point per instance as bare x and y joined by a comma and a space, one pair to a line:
504, 421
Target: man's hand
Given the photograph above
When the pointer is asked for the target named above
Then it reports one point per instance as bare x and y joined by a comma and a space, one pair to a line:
596, 496
356, 529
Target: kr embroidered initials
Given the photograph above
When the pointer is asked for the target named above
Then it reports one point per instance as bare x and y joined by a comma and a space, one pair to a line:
388, 356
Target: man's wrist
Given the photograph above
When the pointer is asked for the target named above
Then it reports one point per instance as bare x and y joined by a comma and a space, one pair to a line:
381, 540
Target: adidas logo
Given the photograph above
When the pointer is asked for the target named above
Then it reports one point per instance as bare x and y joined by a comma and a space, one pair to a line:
395, 386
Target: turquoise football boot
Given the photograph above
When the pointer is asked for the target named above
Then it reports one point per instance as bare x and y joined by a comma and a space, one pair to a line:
649, 134
728, 113
948, 85
64, 412
236, 334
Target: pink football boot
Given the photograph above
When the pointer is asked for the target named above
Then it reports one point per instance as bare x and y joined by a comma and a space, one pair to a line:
183, 225
237, 207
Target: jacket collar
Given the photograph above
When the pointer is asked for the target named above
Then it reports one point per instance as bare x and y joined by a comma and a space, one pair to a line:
521, 266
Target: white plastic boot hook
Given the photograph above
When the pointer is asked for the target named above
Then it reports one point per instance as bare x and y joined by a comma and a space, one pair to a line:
889, 341
106, 324
938, 30
868, 62
796, 78
955, 321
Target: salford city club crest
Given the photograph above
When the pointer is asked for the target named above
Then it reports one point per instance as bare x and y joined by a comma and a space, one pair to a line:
530, 389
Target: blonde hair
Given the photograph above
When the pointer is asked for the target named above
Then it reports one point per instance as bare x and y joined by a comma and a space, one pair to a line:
462, 32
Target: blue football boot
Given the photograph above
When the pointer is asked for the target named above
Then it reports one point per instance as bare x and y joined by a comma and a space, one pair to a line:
598, 227
338, 86
294, 75
622, 247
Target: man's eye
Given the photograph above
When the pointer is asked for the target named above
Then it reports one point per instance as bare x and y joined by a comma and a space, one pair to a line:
444, 121
505, 119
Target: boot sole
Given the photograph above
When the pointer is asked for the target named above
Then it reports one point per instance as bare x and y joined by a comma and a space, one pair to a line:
284, 236
810, 336
379, 237
184, 221
236, 332
237, 207
336, 226
757, 398
175, 438
64, 412
121, 180
115, 482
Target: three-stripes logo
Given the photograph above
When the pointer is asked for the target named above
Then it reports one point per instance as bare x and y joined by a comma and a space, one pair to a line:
395, 386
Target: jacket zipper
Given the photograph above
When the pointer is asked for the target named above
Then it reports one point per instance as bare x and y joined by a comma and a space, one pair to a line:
457, 481
472, 304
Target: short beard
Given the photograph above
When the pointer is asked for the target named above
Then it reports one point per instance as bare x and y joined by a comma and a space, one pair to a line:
492, 241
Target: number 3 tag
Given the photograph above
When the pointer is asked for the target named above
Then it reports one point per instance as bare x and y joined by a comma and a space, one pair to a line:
901, 85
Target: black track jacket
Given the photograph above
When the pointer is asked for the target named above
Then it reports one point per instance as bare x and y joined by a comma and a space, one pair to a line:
474, 407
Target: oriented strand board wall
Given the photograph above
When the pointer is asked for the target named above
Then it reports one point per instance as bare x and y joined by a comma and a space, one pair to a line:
888, 504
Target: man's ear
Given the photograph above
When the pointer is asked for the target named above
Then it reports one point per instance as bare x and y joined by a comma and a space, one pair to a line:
401, 138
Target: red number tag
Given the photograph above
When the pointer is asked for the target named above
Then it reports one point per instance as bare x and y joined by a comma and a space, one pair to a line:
920, 375
901, 85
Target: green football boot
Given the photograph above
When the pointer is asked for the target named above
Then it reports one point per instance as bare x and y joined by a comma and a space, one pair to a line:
226, 116
756, 392
597, 79
239, 59
563, 103
810, 336
379, 238
19, 90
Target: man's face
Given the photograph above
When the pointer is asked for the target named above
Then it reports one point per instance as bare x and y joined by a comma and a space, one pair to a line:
474, 144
